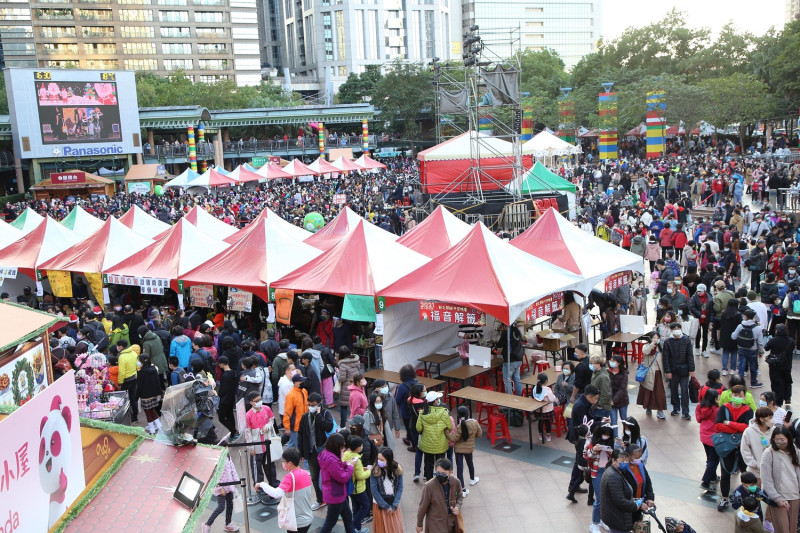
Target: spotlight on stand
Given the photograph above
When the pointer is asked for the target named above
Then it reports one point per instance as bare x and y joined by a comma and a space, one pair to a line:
474, 27
469, 62
188, 490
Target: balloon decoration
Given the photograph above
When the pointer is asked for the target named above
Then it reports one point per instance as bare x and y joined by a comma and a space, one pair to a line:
313, 222
159, 190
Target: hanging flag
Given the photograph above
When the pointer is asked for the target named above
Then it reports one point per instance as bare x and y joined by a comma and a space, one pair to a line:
656, 124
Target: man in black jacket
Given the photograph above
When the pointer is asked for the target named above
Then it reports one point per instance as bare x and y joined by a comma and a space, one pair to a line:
511, 370
270, 347
678, 366
311, 436
583, 373
227, 396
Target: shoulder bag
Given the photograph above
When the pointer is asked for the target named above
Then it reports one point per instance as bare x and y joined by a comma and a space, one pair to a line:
287, 519
641, 372
726, 443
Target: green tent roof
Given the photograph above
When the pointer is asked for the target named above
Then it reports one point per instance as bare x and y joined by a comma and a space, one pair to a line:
540, 179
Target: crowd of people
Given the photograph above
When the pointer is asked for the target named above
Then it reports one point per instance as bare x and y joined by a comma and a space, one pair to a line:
723, 285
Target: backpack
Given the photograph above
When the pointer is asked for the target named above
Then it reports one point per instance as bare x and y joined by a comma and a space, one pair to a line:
675, 267
98, 337
795, 305
182, 375
208, 361
266, 386
746, 339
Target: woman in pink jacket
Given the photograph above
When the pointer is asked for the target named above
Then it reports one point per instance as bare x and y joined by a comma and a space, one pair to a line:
334, 474
358, 398
706, 415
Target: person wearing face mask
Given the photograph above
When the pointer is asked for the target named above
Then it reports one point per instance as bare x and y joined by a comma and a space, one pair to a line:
259, 418
358, 397
730, 320
678, 367
598, 451
295, 407
433, 424
376, 423
769, 399
652, 391
386, 482
755, 439
297, 484
390, 407
675, 297
602, 381
698, 305
148, 387
565, 383
780, 479
126, 380
618, 376
749, 489
732, 417
635, 473
721, 296
440, 506
349, 368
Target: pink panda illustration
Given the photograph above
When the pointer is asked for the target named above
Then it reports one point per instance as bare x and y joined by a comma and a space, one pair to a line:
55, 451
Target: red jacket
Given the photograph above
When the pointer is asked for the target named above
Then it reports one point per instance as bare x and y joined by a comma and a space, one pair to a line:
707, 418
666, 237
679, 239
739, 418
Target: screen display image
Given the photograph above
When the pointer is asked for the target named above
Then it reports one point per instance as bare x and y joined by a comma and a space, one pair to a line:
82, 112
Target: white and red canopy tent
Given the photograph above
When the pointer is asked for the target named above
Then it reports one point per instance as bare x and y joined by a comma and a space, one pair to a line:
439, 232
209, 224
142, 223
81, 222
210, 179
45, 241
362, 263
296, 168
296, 232
183, 179
345, 165
638, 131
339, 227
266, 253
112, 243
271, 171
446, 167
482, 272
8, 234
320, 166
244, 175
27, 221
556, 240
181, 249
368, 163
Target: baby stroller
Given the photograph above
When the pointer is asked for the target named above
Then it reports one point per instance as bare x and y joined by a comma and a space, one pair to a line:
187, 414
673, 524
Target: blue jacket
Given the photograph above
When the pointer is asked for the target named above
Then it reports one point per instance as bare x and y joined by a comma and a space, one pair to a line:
181, 347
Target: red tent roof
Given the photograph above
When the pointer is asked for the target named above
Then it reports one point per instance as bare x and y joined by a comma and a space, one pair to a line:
298, 233
209, 224
46, 240
297, 168
345, 165
335, 230
323, 167
436, 234
265, 247
179, 250
142, 223
271, 171
367, 162
363, 262
246, 176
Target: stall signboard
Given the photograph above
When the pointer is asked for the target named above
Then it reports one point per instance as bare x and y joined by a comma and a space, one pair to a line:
60, 283
139, 187
41, 462
545, 307
275, 159
95, 280
147, 285
201, 296
340, 199
258, 162
443, 312
617, 280
23, 373
8, 272
67, 178
239, 300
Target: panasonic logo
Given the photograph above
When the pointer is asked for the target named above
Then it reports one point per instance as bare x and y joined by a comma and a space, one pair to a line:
105, 150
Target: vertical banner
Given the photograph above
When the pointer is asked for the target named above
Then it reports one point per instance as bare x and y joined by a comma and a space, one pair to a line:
60, 283
607, 108
201, 138
656, 124
192, 148
365, 136
284, 298
527, 119
485, 120
566, 126
95, 280
321, 133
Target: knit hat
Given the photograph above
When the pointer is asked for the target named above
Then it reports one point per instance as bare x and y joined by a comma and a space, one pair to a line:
702, 287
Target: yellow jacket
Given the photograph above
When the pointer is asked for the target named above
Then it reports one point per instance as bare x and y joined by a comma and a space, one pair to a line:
127, 364
360, 474
106, 325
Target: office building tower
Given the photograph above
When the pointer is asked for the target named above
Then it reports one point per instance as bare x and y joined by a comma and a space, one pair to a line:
792, 11
209, 40
571, 28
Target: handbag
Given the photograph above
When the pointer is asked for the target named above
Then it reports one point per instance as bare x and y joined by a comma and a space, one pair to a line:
287, 518
641, 372
337, 385
771, 359
726, 443
238, 504
275, 447
64, 366
568, 411
694, 390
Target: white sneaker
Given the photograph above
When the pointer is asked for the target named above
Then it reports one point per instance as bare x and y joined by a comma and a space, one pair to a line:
705, 354
475, 481
604, 526
594, 528
465, 493
724, 372
715, 351
157, 422
150, 428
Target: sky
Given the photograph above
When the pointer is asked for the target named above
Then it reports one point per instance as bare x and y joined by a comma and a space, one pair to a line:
713, 14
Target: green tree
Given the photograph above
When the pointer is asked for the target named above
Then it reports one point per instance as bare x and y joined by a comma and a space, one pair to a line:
403, 94
783, 69
737, 99
3, 96
357, 86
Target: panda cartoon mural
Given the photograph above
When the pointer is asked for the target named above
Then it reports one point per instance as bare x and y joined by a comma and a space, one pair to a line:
55, 453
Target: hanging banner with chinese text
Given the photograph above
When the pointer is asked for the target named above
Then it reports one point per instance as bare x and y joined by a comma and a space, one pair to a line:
545, 307
201, 296
95, 280
444, 312
617, 280
239, 300
60, 283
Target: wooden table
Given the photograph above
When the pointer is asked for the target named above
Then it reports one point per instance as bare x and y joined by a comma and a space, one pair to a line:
552, 376
437, 358
628, 338
394, 377
511, 401
463, 373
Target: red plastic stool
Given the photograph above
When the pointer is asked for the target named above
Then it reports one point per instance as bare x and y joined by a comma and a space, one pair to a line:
501, 385
486, 410
541, 366
559, 421
525, 367
421, 372
482, 381
494, 432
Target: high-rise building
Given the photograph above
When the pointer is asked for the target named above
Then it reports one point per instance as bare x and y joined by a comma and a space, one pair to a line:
571, 28
270, 29
209, 40
328, 39
792, 11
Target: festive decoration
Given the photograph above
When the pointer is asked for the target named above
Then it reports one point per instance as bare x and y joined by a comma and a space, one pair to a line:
192, 148
159, 190
656, 124
485, 120
607, 104
201, 138
321, 133
527, 119
313, 222
23, 381
566, 126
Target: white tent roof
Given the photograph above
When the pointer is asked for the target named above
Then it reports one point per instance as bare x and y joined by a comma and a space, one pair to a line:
9, 234
139, 221
82, 222
27, 221
182, 179
209, 224
546, 144
459, 148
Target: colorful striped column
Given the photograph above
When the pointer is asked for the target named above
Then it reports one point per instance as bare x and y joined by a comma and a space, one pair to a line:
192, 148
321, 131
607, 108
656, 124
527, 120
201, 138
365, 136
485, 121
566, 126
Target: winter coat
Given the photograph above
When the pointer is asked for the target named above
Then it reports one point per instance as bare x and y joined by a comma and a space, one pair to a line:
652, 352
474, 431
348, 368
358, 402
323, 423
653, 252
774, 470
181, 347
148, 384
782, 346
721, 301
296, 406
360, 474
751, 446
707, 418
431, 428
151, 345
371, 427
727, 327
639, 245
678, 356
401, 397
279, 367
602, 381
619, 388
333, 477
572, 318
617, 497
433, 507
